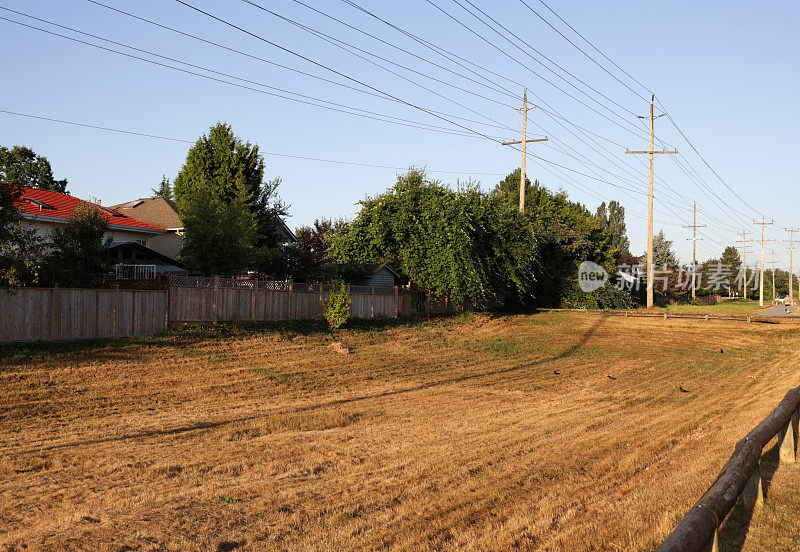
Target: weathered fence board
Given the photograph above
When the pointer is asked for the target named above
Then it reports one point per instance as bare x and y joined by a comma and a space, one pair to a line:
37, 314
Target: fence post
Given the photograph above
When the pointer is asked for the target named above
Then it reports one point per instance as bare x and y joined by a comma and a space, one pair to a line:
322, 299
254, 299
753, 493
372, 308
713, 544
168, 298
291, 299
216, 299
788, 440
397, 301
116, 310
96, 313
347, 288
54, 308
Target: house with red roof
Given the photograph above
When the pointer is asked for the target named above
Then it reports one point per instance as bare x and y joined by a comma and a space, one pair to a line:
43, 211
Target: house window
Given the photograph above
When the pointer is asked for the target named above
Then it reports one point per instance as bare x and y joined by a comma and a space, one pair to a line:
142, 242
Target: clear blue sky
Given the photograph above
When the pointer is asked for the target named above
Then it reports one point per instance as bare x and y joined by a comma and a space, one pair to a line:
726, 70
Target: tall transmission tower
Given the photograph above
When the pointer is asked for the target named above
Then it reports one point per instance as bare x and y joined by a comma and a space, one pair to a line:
763, 225
694, 226
744, 264
791, 267
650, 152
524, 143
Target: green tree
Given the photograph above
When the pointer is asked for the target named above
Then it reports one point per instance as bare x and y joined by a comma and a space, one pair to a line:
462, 243
733, 262
19, 251
305, 259
21, 167
78, 250
164, 189
613, 217
566, 234
662, 251
219, 234
508, 189
226, 171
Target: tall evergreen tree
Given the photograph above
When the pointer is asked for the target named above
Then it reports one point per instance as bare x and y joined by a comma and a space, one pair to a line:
733, 263
228, 174
613, 217
662, 251
164, 189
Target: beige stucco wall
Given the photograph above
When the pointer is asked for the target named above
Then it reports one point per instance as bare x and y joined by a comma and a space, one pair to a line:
45, 228
168, 244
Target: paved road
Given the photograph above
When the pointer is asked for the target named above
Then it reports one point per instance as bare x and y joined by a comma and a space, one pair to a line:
780, 310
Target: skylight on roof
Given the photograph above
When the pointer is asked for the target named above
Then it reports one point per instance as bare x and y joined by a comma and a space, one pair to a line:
41, 204
111, 212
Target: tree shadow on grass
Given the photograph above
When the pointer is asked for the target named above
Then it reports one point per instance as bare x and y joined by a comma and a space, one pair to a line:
733, 532
184, 335
580, 342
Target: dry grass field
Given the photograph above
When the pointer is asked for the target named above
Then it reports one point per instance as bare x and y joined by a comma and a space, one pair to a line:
553, 432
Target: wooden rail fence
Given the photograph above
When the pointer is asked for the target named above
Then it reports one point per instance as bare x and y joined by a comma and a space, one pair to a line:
741, 476
55, 314
685, 315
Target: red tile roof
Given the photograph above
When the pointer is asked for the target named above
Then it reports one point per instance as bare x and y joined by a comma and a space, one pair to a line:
62, 206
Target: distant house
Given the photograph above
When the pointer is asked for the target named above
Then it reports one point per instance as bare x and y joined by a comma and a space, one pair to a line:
159, 212
379, 275
164, 212
43, 211
370, 274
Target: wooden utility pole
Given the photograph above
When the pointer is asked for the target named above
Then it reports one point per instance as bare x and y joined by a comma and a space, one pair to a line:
694, 226
744, 264
763, 225
651, 152
773, 274
791, 267
524, 143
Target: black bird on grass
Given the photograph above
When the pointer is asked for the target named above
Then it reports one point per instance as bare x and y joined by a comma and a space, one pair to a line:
556, 372
612, 378
682, 389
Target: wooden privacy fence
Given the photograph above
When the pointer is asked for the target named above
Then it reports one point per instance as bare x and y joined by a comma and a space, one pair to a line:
741, 476
211, 300
38, 314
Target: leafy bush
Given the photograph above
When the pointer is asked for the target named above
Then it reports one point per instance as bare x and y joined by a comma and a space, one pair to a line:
607, 297
337, 306
462, 243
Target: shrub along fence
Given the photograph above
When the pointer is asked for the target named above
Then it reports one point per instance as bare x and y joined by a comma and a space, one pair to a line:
54, 314
740, 477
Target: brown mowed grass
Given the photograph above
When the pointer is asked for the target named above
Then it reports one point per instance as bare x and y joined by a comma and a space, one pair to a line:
473, 433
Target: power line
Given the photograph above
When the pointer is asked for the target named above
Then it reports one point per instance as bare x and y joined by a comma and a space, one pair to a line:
590, 44
339, 73
426, 60
345, 45
181, 140
487, 41
333, 106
